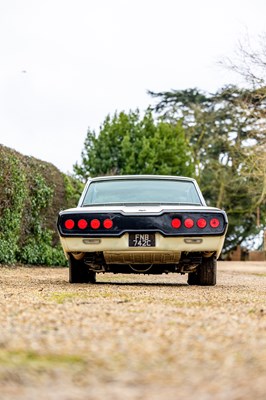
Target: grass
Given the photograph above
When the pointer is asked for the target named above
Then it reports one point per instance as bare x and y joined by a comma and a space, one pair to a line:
63, 297
30, 358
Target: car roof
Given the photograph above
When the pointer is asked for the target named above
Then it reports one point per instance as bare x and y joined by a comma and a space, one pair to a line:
134, 177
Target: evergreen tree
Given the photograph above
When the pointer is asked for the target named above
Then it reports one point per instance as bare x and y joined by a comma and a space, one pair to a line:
129, 144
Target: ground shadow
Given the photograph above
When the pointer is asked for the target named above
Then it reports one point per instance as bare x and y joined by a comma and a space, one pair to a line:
137, 284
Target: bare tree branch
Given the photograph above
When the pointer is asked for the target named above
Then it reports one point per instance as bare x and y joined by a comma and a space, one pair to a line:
250, 61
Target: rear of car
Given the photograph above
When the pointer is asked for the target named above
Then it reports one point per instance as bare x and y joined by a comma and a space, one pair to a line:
142, 224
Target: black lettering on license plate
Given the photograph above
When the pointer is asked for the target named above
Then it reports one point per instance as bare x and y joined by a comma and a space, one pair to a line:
141, 240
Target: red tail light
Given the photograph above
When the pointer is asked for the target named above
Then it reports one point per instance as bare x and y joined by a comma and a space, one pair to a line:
95, 224
189, 223
108, 223
69, 224
214, 222
82, 224
176, 223
201, 223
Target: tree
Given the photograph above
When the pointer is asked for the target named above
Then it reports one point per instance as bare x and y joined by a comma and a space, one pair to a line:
223, 129
249, 61
129, 144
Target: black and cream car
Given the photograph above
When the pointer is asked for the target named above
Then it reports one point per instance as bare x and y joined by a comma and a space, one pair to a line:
142, 224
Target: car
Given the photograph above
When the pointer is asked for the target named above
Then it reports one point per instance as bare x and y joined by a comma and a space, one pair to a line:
142, 224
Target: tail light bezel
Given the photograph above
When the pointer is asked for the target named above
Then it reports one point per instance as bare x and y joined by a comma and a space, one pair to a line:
167, 223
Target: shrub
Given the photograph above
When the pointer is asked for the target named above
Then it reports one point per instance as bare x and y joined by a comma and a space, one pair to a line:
31, 194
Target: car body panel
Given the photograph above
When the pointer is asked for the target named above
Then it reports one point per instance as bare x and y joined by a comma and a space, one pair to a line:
194, 243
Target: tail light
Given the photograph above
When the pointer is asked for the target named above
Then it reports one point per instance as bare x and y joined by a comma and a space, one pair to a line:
214, 223
95, 224
69, 224
201, 223
176, 223
108, 223
189, 223
82, 224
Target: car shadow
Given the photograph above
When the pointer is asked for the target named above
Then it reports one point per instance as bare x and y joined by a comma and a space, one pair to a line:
138, 284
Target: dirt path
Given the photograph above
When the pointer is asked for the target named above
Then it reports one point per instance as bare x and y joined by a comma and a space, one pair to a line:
133, 337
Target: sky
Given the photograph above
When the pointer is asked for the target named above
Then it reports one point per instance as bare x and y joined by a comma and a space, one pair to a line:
66, 64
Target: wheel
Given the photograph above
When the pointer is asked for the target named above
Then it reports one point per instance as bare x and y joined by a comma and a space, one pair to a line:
79, 273
205, 274
208, 271
91, 276
193, 278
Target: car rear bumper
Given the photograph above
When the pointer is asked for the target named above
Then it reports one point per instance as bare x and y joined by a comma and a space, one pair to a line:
163, 244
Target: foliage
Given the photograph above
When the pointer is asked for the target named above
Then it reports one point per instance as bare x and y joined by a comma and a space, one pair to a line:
73, 190
31, 194
226, 130
13, 193
129, 144
37, 248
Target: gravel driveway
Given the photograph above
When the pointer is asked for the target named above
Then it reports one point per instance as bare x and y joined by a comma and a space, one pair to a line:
133, 337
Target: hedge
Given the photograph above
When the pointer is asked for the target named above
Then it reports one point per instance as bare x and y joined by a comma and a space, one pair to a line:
31, 194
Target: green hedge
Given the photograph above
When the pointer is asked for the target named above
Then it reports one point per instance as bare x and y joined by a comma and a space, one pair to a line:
31, 194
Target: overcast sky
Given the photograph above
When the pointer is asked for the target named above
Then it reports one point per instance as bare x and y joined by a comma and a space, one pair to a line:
66, 64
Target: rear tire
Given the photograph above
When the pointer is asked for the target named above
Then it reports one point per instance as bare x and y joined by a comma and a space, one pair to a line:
193, 278
79, 272
206, 273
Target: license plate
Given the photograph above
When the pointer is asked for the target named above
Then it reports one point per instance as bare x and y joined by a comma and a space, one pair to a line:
141, 240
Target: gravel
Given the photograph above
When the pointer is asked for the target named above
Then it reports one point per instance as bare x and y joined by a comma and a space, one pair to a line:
133, 336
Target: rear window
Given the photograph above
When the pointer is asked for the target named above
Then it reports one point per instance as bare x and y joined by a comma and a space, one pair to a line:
144, 191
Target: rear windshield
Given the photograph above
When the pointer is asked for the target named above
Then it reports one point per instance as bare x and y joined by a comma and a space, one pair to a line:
144, 191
